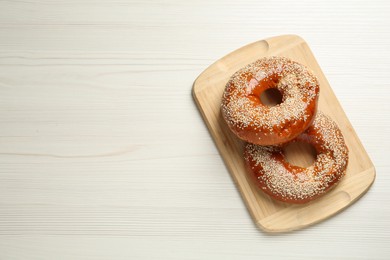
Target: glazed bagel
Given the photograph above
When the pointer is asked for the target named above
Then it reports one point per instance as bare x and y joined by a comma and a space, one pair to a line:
253, 121
285, 182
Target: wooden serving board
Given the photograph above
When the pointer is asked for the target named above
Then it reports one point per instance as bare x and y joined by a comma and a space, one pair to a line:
271, 215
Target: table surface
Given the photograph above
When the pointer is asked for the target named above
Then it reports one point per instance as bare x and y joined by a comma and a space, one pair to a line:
104, 155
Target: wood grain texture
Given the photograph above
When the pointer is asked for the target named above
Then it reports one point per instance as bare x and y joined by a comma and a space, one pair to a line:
268, 214
104, 155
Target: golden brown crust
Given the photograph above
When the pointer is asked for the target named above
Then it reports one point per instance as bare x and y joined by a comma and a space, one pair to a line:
256, 123
293, 184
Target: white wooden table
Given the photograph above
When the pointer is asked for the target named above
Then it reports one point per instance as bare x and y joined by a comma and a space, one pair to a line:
104, 155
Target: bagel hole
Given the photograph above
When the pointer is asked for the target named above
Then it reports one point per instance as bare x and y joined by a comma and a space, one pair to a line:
300, 154
271, 97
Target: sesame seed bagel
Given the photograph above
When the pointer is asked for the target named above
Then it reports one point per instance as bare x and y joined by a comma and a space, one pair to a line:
294, 184
253, 121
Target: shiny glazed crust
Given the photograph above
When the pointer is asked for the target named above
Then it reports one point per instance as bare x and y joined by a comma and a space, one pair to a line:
294, 184
254, 122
